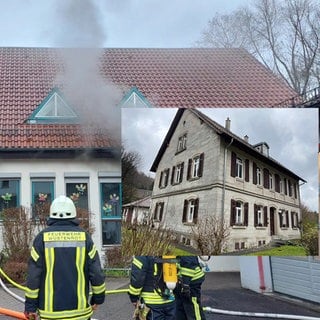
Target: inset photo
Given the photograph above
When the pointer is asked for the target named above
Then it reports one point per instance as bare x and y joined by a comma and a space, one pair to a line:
221, 181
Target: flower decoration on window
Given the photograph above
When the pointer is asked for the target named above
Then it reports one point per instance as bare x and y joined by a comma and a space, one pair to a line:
81, 188
42, 197
75, 197
114, 198
6, 197
107, 208
110, 207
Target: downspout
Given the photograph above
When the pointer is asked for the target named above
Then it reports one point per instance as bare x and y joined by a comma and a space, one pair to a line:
224, 181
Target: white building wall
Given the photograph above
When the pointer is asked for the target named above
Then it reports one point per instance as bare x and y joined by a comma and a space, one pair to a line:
255, 273
95, 170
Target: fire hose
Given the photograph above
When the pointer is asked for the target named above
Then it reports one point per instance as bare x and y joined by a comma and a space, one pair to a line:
20, 315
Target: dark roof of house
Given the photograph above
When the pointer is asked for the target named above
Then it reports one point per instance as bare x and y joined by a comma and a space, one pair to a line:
227, 135
184, 78
142, 203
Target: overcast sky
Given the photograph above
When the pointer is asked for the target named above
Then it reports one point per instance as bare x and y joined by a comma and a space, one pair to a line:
292, 135
107, 23
159, 23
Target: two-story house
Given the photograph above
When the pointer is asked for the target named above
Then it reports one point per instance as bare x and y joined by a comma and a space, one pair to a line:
56, 125
203, 169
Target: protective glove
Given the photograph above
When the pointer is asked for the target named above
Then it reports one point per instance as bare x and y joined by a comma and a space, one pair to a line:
31, 315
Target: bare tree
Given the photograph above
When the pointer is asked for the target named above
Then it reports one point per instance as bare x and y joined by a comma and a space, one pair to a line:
130, 162
210, 234
283, 35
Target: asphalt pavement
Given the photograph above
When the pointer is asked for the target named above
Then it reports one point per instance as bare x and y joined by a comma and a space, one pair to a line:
221, 290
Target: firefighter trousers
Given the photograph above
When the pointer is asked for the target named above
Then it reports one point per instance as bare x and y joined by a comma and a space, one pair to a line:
189, 307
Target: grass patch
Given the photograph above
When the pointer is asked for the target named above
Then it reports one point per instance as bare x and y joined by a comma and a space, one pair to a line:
286, 250
117, 273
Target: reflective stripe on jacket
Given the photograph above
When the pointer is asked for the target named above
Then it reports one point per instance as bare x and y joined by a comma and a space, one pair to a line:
146, 281
63, 263
189, 270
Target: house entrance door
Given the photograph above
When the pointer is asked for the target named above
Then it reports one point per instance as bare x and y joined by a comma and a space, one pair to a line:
272, 227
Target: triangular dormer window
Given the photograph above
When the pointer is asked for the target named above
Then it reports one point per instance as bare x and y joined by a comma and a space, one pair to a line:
53, 109
134, 99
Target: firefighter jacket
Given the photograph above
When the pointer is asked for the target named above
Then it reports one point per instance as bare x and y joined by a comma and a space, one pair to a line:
64, 262
190, 271
147, 282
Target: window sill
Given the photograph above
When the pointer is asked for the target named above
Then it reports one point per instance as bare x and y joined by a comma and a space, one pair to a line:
238, 227
261, 227
194, 178
188, 223
179, 151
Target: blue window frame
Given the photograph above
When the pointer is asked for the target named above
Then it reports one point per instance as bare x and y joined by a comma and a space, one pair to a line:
111, 201
42, 195
9, 194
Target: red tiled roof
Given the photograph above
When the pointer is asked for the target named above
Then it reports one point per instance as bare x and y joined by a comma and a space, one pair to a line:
190, 78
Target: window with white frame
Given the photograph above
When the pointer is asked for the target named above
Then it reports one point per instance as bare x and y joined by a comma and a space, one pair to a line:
177, 173
271, 181
239, 213
284, 218
260, 216
164, 177
239, 168
182, 143
158, 211
190, 211
281, 186
195, 167
259, 176
294, 220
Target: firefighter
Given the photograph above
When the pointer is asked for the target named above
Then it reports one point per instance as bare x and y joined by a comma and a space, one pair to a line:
63, 263
148, 291
188, 290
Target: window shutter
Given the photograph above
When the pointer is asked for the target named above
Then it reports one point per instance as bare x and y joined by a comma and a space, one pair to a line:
185, 210
189, 169
167, 177
265, 216
195, 214
155, 212
172, 174
181, 172
285, 187
246, 173
233, 164
201, 165
266, 178
280, 218
161, 174
290, 188
254, 173
161, 210
246, 213
233, 212
255, 215
277, 183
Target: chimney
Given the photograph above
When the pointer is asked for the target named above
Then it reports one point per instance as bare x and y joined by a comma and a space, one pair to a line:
246, 138
228, 123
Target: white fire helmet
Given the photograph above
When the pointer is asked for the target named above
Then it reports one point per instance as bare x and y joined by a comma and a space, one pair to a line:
62, 207
204, 258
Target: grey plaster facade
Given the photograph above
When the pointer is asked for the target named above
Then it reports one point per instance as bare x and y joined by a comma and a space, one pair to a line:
225, 185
